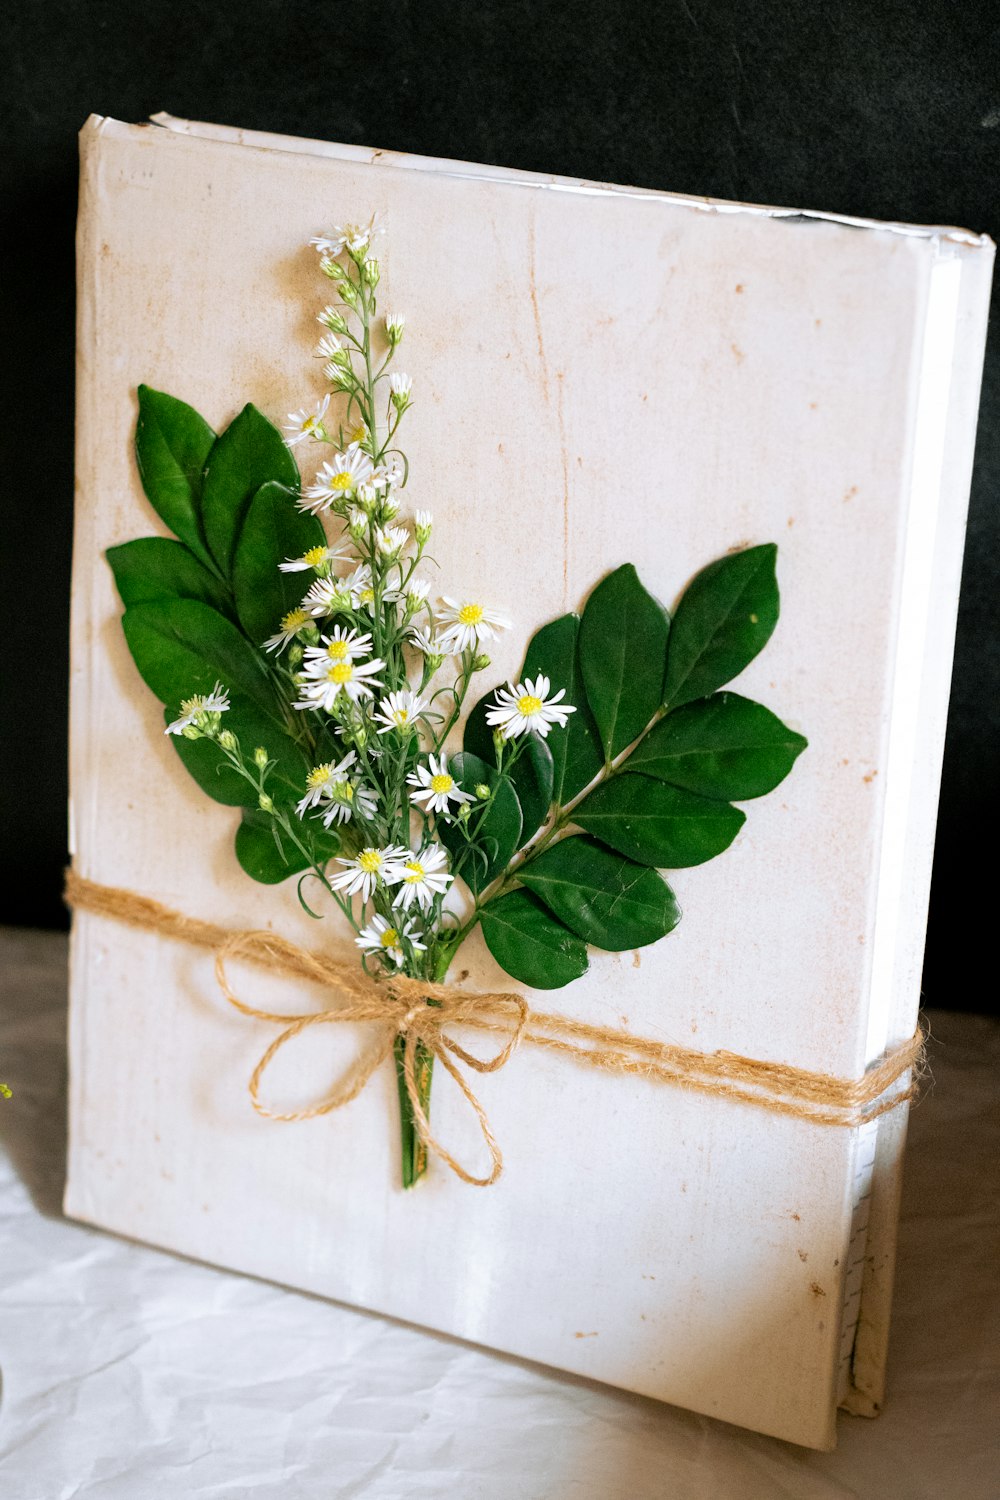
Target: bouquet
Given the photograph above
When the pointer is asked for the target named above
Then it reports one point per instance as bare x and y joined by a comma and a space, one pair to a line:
314, 676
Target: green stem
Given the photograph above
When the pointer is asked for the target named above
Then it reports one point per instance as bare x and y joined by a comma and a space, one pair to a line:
414, 1152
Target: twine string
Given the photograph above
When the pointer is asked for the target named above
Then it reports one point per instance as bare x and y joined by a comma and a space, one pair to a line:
399, 1005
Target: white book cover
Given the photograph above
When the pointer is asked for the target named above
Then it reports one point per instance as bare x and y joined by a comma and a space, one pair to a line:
604, 375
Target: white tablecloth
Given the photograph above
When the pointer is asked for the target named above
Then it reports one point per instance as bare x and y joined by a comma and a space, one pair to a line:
131, 1374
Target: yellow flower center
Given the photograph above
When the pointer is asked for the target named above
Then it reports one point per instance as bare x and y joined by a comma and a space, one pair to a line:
401, 716
442, 783
359, 434
370, 861
470, 614
342, 672
192, 705
315, 557
528, 704
343, 482
414, 872
294, 620
318, 776
338, 650
389, 938
366, 596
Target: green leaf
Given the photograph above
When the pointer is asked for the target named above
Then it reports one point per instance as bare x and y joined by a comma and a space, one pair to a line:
183, 647
269, 859
725, 616
530, 944
532, 775
494, 828
623, 638
156, 568
602, 897
724, 746
272, 531
250, 452
172, 443
659, 825
206, 763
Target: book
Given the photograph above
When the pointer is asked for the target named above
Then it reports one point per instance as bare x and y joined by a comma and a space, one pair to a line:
619, 374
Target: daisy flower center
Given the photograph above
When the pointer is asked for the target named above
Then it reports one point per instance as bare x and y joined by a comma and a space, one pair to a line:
370, 861
442, 783
367, 596
315, 556
342, 481
414, 872
337, 650
389, 938
294, 620
401, 716
341, 673
528, 704
192, 705
318, 776
470, 614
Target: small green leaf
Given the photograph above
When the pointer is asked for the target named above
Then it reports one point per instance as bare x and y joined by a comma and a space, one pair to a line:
494, 828
623, 639
250, 452
725, 616
268, 855
272, 531
724, 746
206, 763
182, 647
156, 568
659, 825
531, 945
172, 443
601, 896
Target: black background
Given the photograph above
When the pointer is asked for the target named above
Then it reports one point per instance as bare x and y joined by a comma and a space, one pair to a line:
888, 110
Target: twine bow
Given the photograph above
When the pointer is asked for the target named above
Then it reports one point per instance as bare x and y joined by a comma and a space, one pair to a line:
416, 1009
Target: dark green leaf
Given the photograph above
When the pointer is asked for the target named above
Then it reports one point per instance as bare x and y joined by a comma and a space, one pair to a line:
659, 825
494, 828
725, 616
531, 945
602, 897
532, 774
182, 647
206, 763
272, 531
724, 746
156, 568
623, 640
271, 860
172, 443
250, 452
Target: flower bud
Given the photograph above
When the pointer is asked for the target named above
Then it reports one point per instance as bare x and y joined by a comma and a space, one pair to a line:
400, 387
480, 663
192, 732
482, 791
371, 271
260, 757
295, 654
422, 526
394, 327
463, 813
348, 293
228, 741
265, 803
332, 268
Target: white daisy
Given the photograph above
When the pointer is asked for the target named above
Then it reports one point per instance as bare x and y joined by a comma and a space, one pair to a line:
416, 592
342, 645
527, 707
380, 937
352, 237
355, 679
295, 621
398, 711
328, 596
338, 479
371, 865
386, 475
390, 540
394, 324
302, 424
431, 644
400, 386
320, 779
424, 876
436, 786
347, 798
314, 559
467, 623
193, 709
362, 590
329, 347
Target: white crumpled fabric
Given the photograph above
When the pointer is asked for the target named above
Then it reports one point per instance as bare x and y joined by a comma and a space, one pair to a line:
132, 1374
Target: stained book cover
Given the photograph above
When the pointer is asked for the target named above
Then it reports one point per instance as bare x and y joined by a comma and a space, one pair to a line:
603, 375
